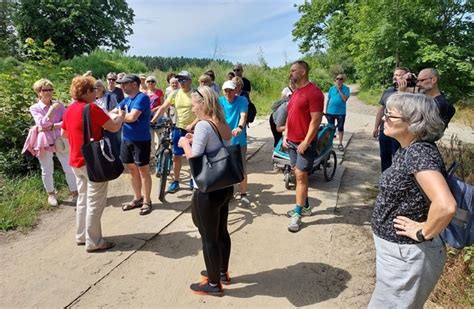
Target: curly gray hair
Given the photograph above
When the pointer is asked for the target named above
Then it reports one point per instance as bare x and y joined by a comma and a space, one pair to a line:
421, 113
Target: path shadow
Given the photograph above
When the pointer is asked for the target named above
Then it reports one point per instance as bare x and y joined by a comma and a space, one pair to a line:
173, 245
303, 284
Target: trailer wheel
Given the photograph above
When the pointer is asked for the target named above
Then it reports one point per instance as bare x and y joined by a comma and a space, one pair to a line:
330, 165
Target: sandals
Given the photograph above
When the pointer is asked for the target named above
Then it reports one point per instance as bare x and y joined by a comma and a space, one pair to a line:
340, 147
133, 204
145, 209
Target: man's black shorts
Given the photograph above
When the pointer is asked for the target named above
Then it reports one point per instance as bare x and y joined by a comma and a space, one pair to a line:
137, 152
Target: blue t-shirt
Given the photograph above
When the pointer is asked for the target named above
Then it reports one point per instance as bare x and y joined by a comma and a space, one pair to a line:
336, 106
140, 129
232, 116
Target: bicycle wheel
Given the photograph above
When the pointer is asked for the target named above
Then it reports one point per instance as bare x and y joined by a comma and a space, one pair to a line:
164, 172
330, 165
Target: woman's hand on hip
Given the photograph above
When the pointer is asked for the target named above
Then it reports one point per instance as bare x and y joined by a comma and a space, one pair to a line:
407, 227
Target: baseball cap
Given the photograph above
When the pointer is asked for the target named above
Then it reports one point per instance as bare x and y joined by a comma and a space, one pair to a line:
129, 78
184, 75
228, 85
151, 78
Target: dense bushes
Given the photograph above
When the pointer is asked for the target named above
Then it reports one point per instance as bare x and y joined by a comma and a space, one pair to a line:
102, 62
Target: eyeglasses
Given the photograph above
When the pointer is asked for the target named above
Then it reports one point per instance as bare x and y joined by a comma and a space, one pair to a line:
423, 79
388, 116
111, 79
47, 90
200, 94
339, 78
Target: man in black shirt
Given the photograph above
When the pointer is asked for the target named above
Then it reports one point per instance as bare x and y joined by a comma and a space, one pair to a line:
388, 145
118, 92
427, 83
239, 70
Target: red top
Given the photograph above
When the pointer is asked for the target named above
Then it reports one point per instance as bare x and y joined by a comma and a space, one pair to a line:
72, 124
155, 98
304, 101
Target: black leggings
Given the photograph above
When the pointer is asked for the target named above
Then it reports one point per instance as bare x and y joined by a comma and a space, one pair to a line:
210, 212
276, 135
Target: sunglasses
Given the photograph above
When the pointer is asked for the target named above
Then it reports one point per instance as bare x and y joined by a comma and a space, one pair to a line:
339, 78
151, 81
388, 116
47, 90
182, 80
237, 70
111, 79
200, 94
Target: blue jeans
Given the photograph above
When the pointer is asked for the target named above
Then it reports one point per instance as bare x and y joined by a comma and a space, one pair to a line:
388, 147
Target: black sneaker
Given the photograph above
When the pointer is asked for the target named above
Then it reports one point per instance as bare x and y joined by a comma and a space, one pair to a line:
225, 278
204, 288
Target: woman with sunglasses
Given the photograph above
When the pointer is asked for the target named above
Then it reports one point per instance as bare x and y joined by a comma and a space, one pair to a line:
157, 98
336, 106
410, 254
48, 116
210, 210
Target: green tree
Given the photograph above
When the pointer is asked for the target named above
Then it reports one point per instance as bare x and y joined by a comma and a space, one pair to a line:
377, 35
75, 27
8, 39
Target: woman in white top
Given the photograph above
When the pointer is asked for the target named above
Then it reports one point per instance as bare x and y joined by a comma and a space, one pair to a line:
210, 210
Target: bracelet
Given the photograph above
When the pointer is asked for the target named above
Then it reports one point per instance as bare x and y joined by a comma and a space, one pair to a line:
240, 127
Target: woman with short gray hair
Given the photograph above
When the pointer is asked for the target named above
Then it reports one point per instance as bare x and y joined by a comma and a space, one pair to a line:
410, 254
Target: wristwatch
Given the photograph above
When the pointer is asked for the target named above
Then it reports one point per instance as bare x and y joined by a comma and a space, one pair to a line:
419, 236
240, 127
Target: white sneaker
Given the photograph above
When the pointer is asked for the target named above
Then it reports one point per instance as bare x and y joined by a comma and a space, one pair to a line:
52, 201
244, 201
295, 223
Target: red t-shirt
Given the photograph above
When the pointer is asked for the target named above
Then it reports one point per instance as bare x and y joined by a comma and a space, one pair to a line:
155, 98
72, 124
304, 101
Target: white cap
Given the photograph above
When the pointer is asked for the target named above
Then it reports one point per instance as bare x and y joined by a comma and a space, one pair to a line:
228, 85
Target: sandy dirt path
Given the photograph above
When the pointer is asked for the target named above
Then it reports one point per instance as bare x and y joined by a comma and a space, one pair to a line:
329, 263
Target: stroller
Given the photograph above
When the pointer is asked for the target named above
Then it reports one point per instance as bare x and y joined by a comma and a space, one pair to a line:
326, 157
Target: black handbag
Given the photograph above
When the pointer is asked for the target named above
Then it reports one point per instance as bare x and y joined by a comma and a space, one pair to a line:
101, 163
219, 169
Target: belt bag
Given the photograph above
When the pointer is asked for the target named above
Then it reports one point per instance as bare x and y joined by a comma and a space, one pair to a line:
101, 163
220, 169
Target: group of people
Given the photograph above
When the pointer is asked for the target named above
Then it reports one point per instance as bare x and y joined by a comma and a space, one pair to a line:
409, 252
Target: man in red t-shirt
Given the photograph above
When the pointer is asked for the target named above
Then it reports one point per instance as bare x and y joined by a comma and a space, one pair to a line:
305, 111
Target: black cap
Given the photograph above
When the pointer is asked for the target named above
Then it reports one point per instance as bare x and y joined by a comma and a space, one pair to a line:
129, 78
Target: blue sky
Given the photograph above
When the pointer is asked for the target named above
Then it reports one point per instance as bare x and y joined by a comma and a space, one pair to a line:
235, 30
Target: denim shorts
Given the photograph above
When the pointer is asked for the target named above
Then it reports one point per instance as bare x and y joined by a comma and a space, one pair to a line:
177, 133
341, 119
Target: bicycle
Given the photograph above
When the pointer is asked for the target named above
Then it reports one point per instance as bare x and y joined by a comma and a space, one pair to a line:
164, 154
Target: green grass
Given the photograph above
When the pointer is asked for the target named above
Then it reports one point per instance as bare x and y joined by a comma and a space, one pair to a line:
370, 96
23, 198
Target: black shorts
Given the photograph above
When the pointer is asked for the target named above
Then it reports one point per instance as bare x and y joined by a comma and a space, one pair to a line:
137, 152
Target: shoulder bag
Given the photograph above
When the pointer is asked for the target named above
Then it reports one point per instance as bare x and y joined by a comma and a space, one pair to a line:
101, 163
220, 169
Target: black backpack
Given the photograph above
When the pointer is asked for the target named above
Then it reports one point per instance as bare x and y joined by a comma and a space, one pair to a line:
252, 110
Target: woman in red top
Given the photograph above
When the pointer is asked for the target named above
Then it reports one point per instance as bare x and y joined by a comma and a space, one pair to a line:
157, 98
92, 195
